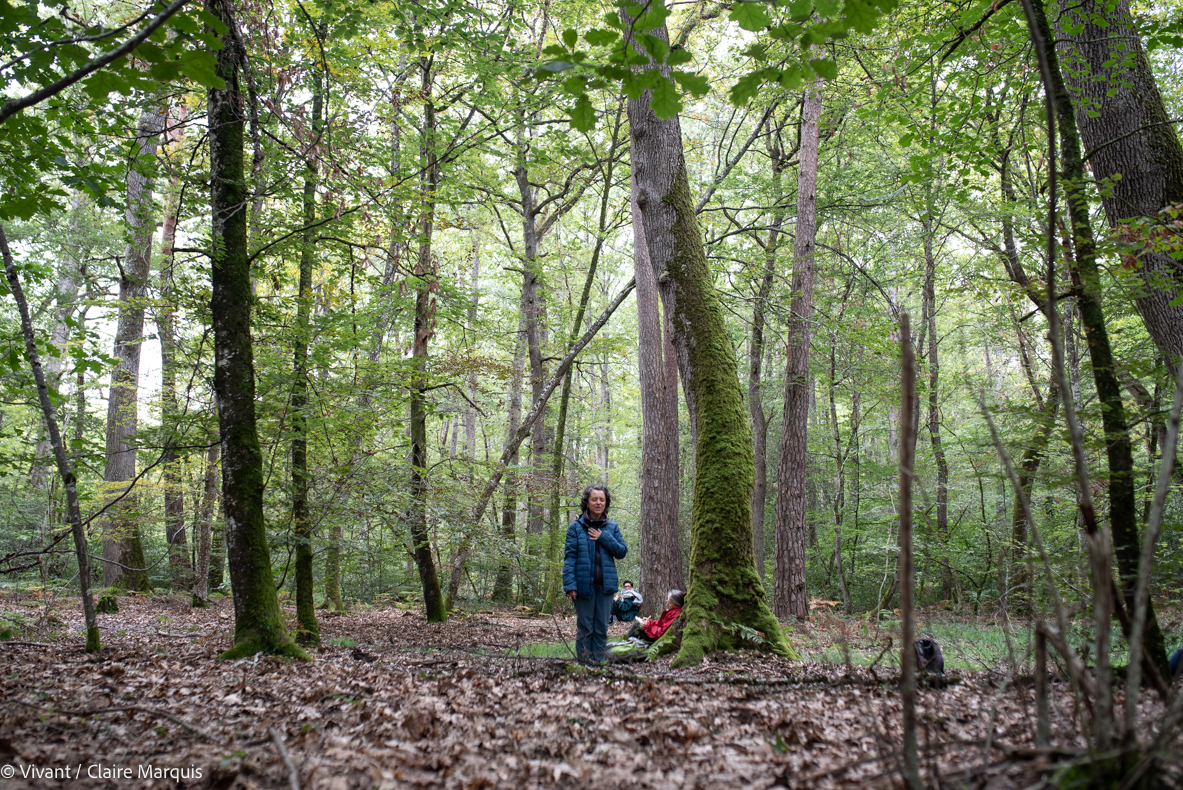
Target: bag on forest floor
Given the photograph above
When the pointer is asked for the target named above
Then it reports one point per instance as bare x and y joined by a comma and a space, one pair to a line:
630, 651
928, 656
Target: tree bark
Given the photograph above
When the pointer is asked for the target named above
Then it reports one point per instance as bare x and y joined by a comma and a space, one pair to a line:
73, 512
425, 305
205, 519
661, 550
934, 412
308, 630
174, 498
1124, 124
792, 528
123, 548
258, 621
723, 586
503, 583
1086, 284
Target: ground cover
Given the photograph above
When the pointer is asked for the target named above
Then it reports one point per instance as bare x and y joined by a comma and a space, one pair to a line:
485, 700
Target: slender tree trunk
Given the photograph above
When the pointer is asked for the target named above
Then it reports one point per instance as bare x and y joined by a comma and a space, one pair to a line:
790, 599
724, 586
205, 519
1020, 529
174, 498
840, 457
911, 767
425, 305
308, 630
503, 584
258, 621
123, 548
1124, 124
73, 512
934, 413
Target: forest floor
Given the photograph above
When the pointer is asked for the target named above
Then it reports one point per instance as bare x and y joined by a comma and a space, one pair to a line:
392, 701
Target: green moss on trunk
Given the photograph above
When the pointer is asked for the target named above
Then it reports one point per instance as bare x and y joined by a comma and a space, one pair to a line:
724, 586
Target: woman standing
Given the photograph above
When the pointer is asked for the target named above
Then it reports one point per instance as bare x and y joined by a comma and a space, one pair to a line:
589, 571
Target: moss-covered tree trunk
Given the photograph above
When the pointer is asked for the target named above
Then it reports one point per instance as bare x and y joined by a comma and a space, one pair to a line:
123, 548
308, 632
792, 528
724, 589
1125, 126
258, 622
73, 512
425, 287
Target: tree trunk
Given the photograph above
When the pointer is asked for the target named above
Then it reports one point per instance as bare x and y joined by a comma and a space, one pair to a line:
724, 586
840, 457
174, 497
759, 420
1124, 124
503, 584
123, 549
308, 630
205, 519
1086, 283
425, 305
73, 512
258, 621
934, 412
790, 598
661, 550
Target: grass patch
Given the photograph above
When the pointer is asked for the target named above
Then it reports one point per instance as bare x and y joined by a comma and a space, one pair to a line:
544, 650
341, 641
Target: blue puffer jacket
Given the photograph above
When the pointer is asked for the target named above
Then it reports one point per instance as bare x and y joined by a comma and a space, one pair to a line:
578, 557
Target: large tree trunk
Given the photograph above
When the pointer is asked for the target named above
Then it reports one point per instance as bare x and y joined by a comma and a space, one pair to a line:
1086, 281
308, 632
724, 586
123, 549
258, 621
792, 529
174, 497
73, 512
661, 550
1125, 127
426, 284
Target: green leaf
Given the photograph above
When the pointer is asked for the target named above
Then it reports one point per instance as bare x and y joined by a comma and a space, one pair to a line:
746, 88
790, 78
556, 66
801, 10
570, 37
600, 38
665, 101
694, 84
583, 114
654, 46
678, 56
750, 16
824, 69
906, 140
829, 8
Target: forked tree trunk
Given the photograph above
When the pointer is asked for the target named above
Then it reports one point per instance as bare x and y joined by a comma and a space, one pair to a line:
724, 587
258, 621
123, 548
792, 528
308, 632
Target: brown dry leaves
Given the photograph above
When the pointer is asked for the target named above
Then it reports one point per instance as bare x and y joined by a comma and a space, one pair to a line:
416, 705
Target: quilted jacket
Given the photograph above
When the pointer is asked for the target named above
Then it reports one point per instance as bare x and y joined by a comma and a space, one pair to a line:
578, 557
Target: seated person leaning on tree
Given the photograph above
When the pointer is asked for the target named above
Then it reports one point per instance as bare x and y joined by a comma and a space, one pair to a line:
651, 630
627, 603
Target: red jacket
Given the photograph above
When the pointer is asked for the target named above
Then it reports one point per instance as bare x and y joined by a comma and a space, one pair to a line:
657, 627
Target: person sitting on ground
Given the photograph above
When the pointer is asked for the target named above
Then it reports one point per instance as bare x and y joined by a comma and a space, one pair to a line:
626, 604
650, 630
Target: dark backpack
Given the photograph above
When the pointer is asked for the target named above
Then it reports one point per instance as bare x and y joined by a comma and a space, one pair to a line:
628, 608
928, 656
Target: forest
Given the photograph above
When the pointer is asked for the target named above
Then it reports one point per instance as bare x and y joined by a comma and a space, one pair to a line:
320, 317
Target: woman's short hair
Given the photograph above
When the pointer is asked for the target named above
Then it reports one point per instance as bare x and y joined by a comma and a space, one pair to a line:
587, 495
676, 597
